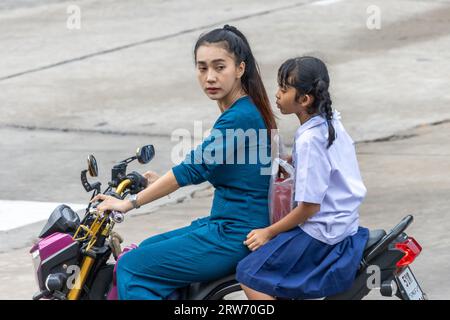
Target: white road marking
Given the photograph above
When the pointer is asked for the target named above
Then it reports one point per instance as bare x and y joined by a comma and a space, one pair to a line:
325, 2
15, 214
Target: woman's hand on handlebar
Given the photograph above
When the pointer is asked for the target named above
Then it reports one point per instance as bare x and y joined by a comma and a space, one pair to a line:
111, 203
151, 176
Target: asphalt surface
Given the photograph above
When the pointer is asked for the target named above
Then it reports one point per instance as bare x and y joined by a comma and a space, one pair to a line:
127, 78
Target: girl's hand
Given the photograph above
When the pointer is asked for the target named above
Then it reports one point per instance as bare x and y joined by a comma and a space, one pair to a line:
289, 159
281, 172
257, 238
111, 203
151, 177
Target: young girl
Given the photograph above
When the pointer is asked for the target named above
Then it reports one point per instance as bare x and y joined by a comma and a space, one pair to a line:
316, 249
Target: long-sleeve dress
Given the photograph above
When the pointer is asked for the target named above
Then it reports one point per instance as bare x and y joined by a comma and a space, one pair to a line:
210, 247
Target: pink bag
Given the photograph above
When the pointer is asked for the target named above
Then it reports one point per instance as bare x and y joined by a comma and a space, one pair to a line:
281, 192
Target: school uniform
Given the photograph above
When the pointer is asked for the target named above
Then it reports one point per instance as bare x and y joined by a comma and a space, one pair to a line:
320, 257
210, 247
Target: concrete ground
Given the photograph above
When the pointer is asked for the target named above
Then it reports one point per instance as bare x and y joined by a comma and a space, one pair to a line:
403, 176
126, 78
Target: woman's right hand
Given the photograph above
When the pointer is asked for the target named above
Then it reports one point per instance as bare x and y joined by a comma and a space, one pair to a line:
111, 203
151, 177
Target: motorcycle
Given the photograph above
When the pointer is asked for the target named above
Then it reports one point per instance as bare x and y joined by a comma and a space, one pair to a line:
75, 259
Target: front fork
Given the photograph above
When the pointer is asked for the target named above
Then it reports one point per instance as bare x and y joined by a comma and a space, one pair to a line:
88, 261
86, 267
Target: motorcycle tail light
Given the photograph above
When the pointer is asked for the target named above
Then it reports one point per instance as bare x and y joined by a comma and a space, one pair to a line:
411, 248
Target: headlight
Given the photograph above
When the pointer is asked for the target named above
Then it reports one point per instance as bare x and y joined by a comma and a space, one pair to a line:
36, 265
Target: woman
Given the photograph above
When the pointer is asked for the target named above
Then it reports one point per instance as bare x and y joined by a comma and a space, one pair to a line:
210, 247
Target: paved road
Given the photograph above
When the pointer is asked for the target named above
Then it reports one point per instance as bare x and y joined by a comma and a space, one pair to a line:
403, 176
126, 78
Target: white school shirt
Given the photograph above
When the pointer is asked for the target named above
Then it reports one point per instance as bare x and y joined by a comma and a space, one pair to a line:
329, 177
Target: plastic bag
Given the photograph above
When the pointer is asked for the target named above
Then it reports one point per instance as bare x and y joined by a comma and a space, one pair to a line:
281, 191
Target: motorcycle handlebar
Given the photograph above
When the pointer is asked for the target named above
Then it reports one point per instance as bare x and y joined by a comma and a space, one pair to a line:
116, 216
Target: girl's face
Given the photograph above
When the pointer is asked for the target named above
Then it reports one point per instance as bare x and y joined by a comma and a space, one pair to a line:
217, 72
288, 104
286, 100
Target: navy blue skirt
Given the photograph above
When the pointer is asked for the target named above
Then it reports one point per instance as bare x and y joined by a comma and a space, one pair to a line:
294, 265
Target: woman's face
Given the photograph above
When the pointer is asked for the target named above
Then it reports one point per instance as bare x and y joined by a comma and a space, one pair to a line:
217, 72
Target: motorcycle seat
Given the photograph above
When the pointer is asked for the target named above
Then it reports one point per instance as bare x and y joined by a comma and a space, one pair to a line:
200, 290
374, 237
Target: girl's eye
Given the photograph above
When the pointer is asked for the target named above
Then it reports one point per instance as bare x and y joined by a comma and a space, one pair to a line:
202, 69
281, 89
220, 67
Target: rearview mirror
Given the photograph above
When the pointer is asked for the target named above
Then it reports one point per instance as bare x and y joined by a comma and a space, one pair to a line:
145, 154
92, 166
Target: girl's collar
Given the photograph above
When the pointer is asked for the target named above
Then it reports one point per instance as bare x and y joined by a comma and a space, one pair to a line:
315, 121
311, 123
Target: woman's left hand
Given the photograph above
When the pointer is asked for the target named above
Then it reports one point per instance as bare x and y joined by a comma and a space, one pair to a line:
111, 203
151, 177
257, 238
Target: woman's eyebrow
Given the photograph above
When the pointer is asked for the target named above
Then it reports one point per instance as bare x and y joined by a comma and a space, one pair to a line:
213, 61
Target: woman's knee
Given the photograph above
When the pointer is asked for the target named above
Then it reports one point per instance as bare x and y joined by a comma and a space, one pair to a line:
151, 240
137, 261
123, 277
122, 267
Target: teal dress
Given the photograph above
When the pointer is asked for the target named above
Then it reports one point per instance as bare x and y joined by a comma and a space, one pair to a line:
234, 159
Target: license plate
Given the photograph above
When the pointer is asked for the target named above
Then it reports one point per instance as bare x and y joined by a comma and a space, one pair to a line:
409, 286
